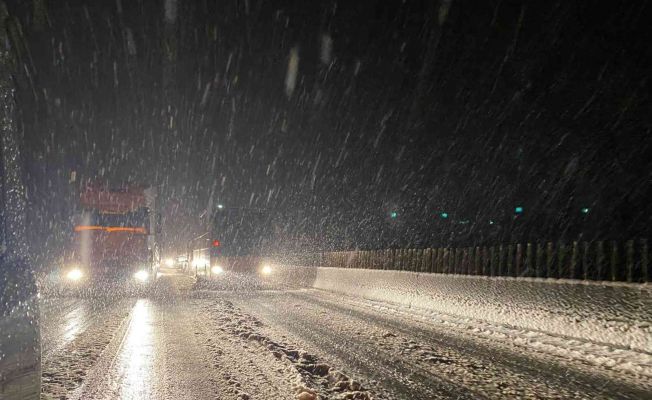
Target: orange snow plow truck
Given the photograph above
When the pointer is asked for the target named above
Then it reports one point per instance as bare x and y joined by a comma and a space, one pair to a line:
114, 242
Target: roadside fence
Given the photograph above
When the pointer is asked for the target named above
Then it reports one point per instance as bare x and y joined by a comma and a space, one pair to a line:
627, 261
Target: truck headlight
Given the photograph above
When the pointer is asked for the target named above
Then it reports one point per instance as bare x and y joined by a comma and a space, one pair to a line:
142, 275
217, 269
266, 270
74, 274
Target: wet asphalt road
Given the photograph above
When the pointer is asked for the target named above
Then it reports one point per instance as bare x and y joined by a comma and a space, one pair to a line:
184, 344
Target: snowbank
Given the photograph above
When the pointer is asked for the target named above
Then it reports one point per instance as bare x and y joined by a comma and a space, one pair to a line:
610, 313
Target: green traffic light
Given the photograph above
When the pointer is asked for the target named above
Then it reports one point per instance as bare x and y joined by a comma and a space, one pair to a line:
518, 210
444, 215
393, 214
585, 210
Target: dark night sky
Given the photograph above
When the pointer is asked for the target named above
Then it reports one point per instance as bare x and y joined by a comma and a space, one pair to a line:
418, 109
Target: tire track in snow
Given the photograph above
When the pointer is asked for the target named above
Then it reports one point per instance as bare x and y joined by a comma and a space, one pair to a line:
67, 363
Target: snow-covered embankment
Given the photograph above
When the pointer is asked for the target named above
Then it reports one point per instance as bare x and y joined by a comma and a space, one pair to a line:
616, 314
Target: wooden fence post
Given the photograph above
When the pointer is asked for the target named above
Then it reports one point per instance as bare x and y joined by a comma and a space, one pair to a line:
400, 259
574, 261
422, 260
463, 269
433, 260
481, 256
613, 261
629, 257
586, 264
518, 263
408, 260
529, 261
561, 261
645, 265
510, 260
550, 260
396, 265
412, 262
443, 260
477, 261
460, 260
453, 261
539, 261
405, 262
599, 261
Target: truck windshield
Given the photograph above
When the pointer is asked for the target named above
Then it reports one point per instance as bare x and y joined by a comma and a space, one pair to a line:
133, 219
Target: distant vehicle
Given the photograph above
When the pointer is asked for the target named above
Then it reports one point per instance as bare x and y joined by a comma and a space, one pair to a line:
20, 340
237, 241
115, 239
182, 261
170, 262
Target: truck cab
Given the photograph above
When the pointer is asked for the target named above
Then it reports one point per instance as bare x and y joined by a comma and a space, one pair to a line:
114, 242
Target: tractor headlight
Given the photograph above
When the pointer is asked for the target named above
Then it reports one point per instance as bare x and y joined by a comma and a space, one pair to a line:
142, 275
266, 270
74, 274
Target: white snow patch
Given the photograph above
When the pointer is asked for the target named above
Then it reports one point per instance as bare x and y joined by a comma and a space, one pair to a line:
293, 70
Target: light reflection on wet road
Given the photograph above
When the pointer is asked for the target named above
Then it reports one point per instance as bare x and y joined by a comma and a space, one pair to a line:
231, 345
67, 319
136, 357
154, 352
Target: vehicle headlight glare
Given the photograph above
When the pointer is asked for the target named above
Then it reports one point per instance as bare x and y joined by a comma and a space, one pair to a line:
74, 274
141, 275
266, 270
169, 262
217, 269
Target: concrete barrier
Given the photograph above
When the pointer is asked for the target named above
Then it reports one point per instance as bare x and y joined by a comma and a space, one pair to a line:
617, 314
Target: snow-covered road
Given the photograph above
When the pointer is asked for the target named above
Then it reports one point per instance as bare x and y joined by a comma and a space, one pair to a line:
298, 344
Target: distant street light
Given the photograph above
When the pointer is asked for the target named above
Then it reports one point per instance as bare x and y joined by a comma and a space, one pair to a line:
220, 206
